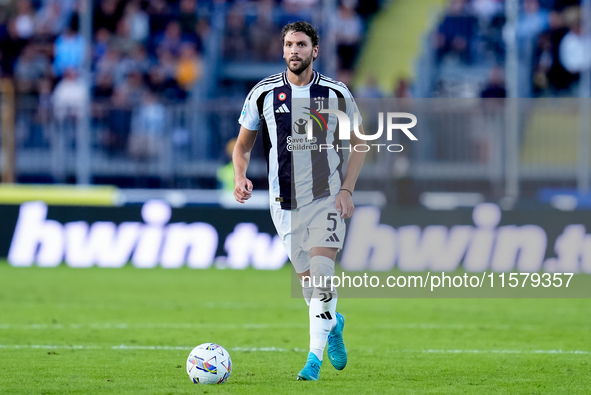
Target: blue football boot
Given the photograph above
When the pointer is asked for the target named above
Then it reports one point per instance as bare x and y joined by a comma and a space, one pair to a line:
311, 370
336, 347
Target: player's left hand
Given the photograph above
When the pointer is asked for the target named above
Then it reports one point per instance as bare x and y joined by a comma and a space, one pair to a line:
344, 204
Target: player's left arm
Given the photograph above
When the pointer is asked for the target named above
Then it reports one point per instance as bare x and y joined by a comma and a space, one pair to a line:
344, 199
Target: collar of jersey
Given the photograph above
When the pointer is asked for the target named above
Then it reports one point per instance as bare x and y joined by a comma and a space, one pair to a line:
301, 87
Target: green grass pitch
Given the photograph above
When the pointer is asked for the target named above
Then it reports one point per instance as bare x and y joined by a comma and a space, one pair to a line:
126, 330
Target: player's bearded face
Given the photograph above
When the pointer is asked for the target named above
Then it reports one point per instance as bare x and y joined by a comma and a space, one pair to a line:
298, 52
297, 64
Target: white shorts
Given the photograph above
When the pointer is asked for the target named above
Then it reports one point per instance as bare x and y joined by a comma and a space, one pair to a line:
316, 224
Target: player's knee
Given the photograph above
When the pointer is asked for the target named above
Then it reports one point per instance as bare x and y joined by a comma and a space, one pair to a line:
321, 272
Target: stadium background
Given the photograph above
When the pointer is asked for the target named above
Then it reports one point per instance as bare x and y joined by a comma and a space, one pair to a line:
117, 112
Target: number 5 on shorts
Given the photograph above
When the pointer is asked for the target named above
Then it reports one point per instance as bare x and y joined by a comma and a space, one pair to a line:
332, 217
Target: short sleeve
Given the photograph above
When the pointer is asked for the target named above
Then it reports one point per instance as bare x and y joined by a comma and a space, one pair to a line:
249, 118
352, 109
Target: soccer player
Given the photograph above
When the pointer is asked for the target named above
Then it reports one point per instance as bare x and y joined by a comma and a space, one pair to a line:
309, 198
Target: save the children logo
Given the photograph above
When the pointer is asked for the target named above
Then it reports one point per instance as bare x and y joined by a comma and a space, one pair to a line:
304, 140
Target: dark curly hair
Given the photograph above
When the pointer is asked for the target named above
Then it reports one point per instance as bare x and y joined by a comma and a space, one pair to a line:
302, 27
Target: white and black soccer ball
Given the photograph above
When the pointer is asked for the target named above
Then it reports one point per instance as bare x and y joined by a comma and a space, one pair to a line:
209, 363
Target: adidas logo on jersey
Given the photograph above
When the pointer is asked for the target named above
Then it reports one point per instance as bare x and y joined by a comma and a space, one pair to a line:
282, 109
333, 238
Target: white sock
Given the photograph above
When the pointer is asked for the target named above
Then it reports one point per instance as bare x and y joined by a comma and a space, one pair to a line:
307, 290
322, 309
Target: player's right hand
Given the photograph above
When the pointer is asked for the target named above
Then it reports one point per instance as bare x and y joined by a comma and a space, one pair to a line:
242, 189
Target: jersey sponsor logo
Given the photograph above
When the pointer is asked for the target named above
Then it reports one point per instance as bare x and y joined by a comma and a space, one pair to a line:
301, 144
299, 126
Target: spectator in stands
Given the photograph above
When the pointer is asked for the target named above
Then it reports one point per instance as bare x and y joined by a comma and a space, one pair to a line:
188, 16
549, 75
44, 39
532, 21
30, 67
455, 33
122, 40
110, 63
50, 18
402, 90
100, 46
70, 95
348, 35
159, 81
486, 10
563, 5
133, 88
575, 47
202, 28
236, 45
543, 63
140, 60
138, 22
189, 69
24, 21
171, 39
370, 90
107, 14
103, 87
10, 44
33, 124
116, 135
296, 10
147, 128
122, 67
43, 113
102, 92
70, 50
261, 29
167, 62
367, 9
159, 14
495, 87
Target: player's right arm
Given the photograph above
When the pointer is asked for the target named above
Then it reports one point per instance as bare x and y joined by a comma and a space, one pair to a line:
241, 159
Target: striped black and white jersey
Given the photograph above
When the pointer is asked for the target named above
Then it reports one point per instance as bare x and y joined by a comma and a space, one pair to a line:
300, 170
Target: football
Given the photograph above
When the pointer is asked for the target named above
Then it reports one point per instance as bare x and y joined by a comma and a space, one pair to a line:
209, 363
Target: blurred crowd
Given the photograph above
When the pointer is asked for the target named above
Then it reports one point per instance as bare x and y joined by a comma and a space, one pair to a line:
560, 49
154, 45
145, 53
137, 46
551, 43
142, 55
253, 29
